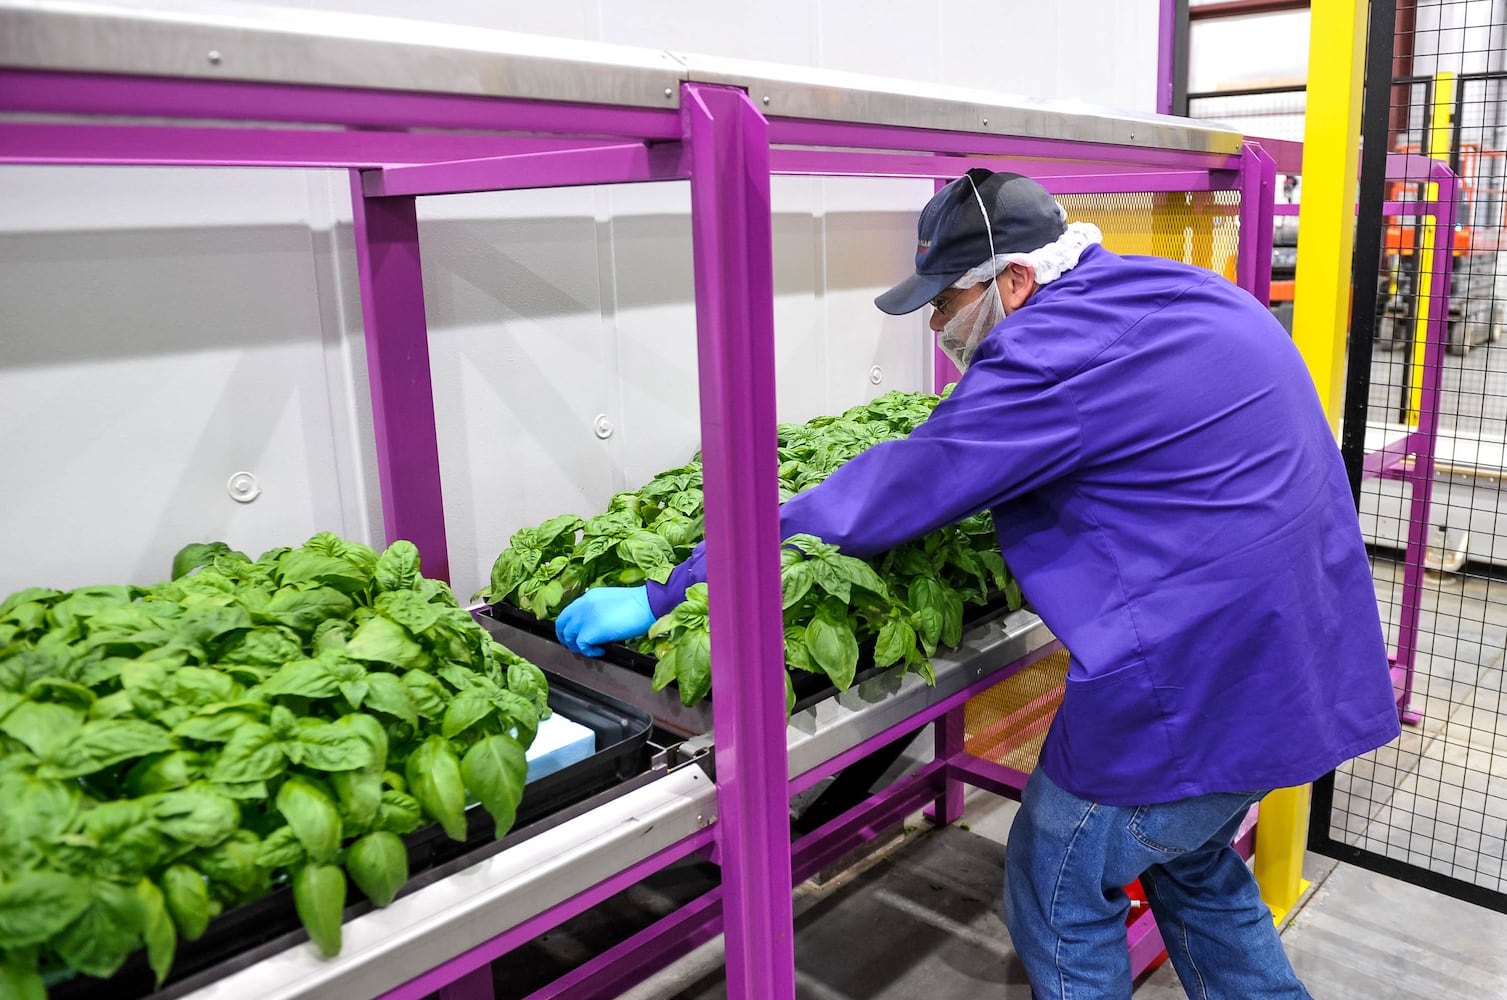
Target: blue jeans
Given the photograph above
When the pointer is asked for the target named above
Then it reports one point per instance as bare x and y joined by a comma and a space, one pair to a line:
1065, 866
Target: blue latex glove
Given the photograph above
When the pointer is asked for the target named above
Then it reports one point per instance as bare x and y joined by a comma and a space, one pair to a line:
603, 615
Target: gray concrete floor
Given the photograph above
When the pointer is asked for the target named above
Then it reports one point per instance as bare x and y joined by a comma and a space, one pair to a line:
922, 920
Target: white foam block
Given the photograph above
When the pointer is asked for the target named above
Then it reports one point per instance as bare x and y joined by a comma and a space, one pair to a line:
559, 743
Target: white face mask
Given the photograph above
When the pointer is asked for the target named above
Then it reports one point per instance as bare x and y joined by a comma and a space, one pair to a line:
963, 332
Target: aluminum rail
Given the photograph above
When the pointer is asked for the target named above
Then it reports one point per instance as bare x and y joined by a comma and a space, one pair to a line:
259, 44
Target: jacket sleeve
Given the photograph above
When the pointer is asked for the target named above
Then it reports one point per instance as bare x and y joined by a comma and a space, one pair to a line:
1007, 428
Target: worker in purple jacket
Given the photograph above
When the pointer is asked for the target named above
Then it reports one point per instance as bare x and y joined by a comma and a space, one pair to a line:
1166, 488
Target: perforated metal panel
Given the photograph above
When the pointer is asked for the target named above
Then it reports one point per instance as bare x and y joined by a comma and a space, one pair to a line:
1198, 227
1008, 723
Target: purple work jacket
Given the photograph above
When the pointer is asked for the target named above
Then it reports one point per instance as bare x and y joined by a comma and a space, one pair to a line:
1167, 490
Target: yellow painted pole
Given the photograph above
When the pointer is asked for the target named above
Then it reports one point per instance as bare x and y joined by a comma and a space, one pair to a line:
1321, 317
1441, 129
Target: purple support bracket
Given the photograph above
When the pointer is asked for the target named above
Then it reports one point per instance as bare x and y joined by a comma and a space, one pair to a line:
397, 362
1258, 184
731, 229
615, 164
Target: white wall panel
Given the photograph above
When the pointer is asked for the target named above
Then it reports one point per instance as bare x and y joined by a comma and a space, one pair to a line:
163, 328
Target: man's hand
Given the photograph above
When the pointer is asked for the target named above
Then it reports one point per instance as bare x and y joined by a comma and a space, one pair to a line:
603, 615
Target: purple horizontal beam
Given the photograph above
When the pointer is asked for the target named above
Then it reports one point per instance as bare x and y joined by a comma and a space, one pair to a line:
145, 96
1285, 208
615, 164
805, 132
1384, 460
171, 145
986, 774
1053, 176
453, 970
831, 766
664, 941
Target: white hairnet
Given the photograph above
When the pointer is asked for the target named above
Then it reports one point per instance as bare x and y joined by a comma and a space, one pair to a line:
1050, 262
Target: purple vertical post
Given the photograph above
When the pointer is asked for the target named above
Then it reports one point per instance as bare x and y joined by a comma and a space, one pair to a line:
1253, 259
1421, 476
943, 370
1166, 55
731, 231
397, 363
947, 743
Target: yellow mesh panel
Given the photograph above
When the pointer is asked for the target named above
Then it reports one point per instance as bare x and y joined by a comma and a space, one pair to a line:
1199, 227
1008, 723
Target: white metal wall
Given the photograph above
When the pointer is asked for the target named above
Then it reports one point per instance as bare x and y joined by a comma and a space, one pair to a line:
161, 329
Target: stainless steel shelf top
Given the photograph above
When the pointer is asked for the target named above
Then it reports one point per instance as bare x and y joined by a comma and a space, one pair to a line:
227, 41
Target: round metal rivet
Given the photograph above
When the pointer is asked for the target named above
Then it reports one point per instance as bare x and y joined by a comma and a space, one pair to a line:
602, 427
986, 121
876, 375
669, 92
214, 57
766, 98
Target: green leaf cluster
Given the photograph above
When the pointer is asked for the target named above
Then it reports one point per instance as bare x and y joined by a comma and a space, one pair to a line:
169, 752
907, 602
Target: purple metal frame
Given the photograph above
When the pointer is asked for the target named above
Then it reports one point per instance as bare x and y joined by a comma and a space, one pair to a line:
725, 146
731, 229
1411, 458
1166, 53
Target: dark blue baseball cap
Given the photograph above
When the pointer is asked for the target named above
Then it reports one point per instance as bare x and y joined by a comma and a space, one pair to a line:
952, 239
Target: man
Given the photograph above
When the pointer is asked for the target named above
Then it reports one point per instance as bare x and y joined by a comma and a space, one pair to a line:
1165, 486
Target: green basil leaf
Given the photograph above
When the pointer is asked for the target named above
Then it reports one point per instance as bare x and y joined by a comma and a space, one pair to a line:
329, 747
281, 849
43, 727
384, 640
194, 555
399, 812
105, 934
19, 982
213, 726
38, 904
251, 754
312, 816
186, 896
319, 898
105, 743
358, 794
304, 679
378, 864
466, 709
796, 582
896, 637
196, 816
398, 567
303, 566
232, 864
833, 646
304, 609
410, 611
693, 666
429, 695
494, 771
386, 693
434, 778
157, 928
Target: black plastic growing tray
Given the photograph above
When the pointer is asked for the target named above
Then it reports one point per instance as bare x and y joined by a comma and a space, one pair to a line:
240, 937
810, 688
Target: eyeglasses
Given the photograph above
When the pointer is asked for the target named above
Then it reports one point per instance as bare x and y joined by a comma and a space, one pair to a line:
947, 300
